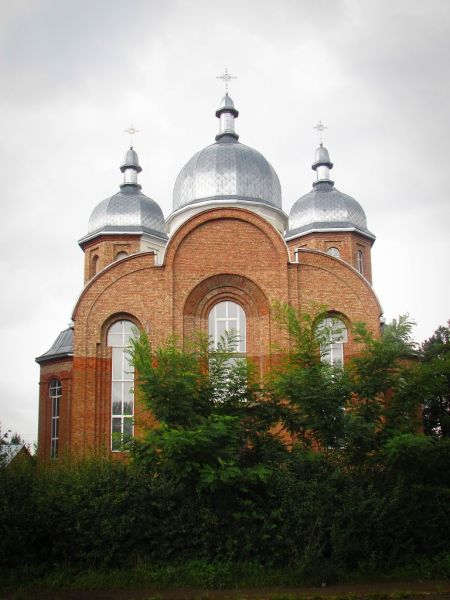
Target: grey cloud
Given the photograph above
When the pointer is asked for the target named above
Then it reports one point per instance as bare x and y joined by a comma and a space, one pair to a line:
77, 73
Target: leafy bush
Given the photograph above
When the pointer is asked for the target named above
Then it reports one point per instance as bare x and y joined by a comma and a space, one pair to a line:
220, 484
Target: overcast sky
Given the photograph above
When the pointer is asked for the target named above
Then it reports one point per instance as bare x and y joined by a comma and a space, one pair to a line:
75, 74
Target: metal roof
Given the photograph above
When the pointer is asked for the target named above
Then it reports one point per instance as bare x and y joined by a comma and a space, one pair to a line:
322, 157
131, 160
326, 208
226, 102
127, 211
8, 452
62, 346
227, 169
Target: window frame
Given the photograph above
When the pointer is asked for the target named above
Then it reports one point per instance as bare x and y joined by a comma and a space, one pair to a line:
55, 395
123, 379
334, 251
94, 265
240, 329
332, 351
360, 262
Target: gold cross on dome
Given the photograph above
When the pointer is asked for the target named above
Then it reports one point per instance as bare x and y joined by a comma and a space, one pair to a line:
131, 131
226, 78
320, 128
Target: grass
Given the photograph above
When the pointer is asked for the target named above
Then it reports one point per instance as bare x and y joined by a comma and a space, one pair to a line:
216, 576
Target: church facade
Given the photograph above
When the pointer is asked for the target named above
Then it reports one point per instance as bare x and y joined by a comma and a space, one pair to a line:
220, 261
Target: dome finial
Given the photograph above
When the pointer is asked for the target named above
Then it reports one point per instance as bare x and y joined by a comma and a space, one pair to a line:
131, 166
322, 163
226, 111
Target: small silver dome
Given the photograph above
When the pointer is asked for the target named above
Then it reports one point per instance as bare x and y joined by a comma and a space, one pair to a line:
131, 160
127, 211
227, 169
325, 207
322, 158
226, 102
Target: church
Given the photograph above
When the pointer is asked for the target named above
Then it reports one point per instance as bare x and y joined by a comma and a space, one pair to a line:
218, 262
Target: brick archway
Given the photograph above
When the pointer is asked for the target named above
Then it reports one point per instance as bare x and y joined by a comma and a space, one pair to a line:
235, 288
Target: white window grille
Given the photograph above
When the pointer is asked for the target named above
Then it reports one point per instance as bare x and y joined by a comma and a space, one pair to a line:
333, 335
55, 393
333, 251
122, 381
228, 317
360, 262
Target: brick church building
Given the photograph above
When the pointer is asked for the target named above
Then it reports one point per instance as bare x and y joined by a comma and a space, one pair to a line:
219, 261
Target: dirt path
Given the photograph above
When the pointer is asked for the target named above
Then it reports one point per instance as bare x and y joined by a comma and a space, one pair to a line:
428, 590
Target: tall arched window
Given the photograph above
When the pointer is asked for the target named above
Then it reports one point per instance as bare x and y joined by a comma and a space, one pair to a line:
54, 393
94, 265
121, 255
360, 262
122, 399
333, 335
228, 316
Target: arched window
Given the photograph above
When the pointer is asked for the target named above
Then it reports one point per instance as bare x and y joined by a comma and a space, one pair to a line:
122, 399
333, 335
360, 262
228, 316
54, 393
121, 254
94, 265
333, 251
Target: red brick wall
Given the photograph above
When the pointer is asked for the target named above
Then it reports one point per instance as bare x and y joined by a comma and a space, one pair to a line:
347, 242
221, 254
55, 369
106, 248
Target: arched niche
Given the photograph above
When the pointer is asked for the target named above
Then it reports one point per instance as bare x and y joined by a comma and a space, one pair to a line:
235, 288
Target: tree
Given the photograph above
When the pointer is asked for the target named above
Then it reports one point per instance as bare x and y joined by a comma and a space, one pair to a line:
16, 438
210, 411
313, 394
383, 380
436, 383
10, 438
4, 436
346, 412
216, 420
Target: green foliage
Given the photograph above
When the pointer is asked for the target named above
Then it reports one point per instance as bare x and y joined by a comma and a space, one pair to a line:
312, 393
212, 417
385, 398
436, 383
174, 382
213, 494
309, 513
348, 412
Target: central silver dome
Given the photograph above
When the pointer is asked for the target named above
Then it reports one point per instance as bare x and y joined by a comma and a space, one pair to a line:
227, 169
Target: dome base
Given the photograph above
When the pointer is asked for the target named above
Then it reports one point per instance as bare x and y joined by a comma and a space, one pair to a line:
275, 216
